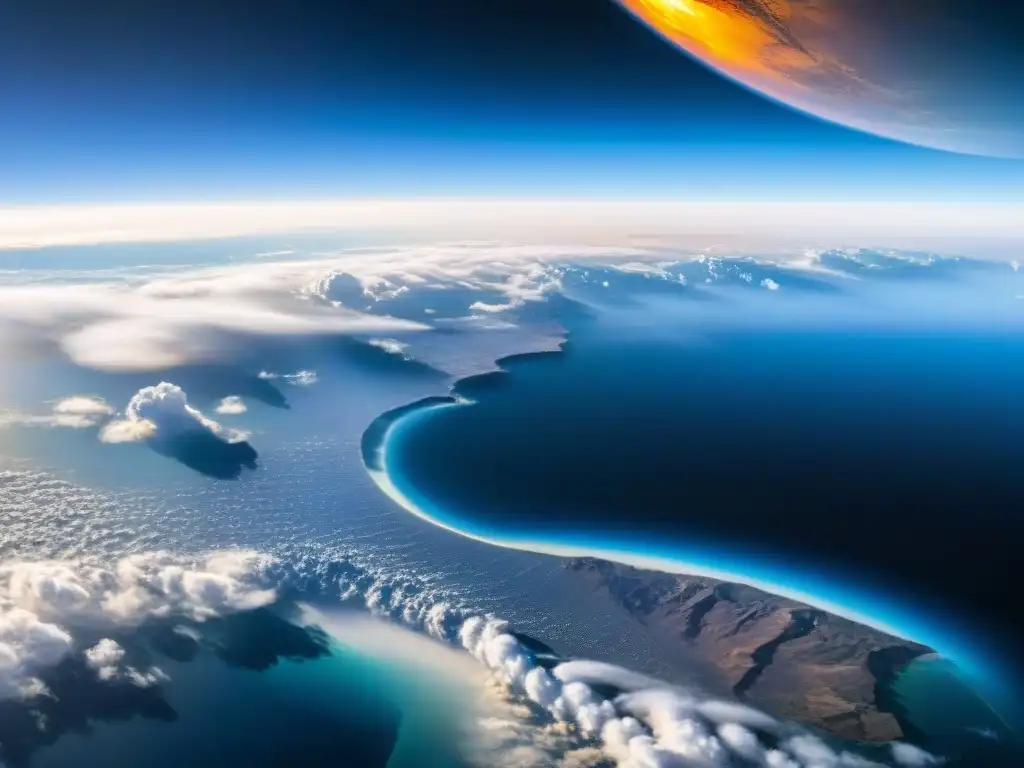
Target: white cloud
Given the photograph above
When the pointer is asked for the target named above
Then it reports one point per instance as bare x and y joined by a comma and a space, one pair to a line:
158, 320
565, 722
147, 679
105, 657
912, 757
391, 346
43, 602
652, 725
81, 411
127, 431
769, 284
177, 318
301, 378
742, 741
47, 606
28, 645
297, 379
584, 671
232, 405
162, 410
481, 306
76, 412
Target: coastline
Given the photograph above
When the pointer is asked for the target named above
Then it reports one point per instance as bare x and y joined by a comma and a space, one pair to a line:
382, 442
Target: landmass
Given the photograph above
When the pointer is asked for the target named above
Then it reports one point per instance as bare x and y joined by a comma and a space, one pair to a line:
790, 659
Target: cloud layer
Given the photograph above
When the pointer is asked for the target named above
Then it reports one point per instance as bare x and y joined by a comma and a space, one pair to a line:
240, 313
654, 725
583, 713
44, 226
175, 319
44, 603
570, 714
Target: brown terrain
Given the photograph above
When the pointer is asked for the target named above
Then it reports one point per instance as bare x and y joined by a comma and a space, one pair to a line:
789, 659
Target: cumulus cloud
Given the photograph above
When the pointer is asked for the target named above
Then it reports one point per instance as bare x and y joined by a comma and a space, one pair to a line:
43, 603
232, 405
106, 658
163, 410
769, 284
27, 646
651, 724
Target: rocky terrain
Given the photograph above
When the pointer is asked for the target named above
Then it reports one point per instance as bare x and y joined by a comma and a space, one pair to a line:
787, 658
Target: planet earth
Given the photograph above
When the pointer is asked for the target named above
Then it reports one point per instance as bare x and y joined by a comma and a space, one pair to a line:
937, 73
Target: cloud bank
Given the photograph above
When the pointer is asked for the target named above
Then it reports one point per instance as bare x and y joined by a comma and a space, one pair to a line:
44, 603
582, 713
170, 320
243, 312
45, 226
651, 724
570, 714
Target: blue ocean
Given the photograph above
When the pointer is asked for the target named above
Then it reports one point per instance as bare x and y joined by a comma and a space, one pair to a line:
843, 452
251, 690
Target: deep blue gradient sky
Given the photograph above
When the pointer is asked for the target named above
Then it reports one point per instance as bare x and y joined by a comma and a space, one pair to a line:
121, 100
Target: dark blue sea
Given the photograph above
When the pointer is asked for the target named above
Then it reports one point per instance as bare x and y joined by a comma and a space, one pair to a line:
865, 459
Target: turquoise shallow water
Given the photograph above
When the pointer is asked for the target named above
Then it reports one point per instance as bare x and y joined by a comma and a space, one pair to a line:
944, 709
344, 707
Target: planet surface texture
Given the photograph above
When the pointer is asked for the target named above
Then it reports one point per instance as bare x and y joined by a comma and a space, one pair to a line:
936, 73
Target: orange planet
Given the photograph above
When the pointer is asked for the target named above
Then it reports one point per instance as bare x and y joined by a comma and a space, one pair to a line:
947, 74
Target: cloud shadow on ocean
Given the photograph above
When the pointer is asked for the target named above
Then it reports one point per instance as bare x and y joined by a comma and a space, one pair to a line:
207, 453
255, 640
213, 382
79, 700
259, 639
